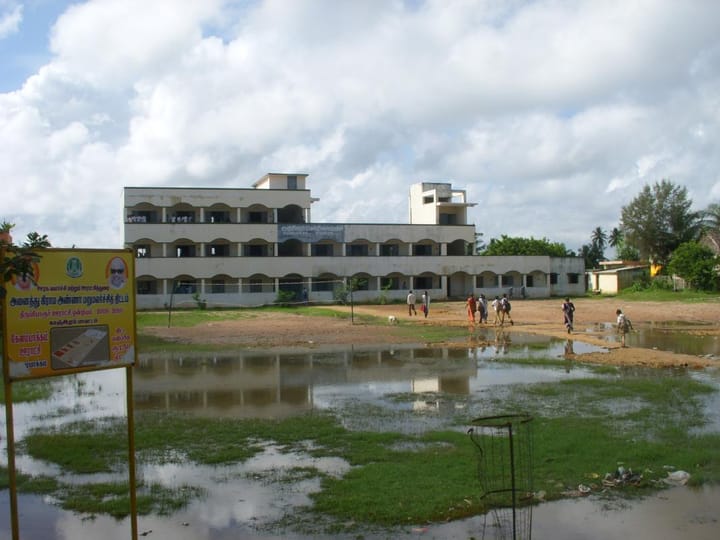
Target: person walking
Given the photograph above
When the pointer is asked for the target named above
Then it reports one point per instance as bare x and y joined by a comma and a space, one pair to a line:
623, 326
497, 309
411, 303
568, 309
505, 310
482, 308
471, 306
425, 303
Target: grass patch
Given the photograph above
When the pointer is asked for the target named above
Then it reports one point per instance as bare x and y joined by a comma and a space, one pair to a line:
28, 391
582, 428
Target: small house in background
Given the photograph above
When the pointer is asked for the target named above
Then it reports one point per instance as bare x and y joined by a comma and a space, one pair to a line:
614, 276
711, 239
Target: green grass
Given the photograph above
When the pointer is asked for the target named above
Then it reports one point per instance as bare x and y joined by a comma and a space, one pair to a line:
28, 391
582, 429
663, 295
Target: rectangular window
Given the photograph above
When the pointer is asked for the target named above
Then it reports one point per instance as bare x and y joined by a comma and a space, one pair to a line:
217, 286
529, 281
573, 279
423, 282
146, 287
142, 251
292, 181
553, 279
392, 284
322, 250
255, 250
389, 250
218, 217
508, 281
479, 282
422, 250
322, 285
218, 250
448, 219
185, 251
357, 250
256, 217
255, 285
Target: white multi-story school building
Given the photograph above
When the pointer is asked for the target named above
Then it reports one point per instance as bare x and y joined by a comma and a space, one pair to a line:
242, 247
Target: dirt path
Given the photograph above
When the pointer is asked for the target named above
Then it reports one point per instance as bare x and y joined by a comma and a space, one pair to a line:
592, 320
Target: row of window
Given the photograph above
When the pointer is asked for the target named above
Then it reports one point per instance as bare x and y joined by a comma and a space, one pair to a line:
328, 284
294, 248
290, 214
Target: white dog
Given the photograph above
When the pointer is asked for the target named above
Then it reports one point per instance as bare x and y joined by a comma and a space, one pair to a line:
392, 319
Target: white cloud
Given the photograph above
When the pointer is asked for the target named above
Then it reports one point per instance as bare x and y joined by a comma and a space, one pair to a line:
532, 106
11, 16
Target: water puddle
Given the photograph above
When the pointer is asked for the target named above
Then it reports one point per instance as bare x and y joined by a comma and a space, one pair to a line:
424, 387
677, 337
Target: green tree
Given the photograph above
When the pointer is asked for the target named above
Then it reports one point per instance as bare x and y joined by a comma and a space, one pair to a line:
659, 219
599, 238
696, 264
34, 240
628, 253
592, 255
507, 245
15, 260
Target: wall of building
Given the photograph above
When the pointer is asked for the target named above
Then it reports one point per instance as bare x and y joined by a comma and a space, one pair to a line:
180, 260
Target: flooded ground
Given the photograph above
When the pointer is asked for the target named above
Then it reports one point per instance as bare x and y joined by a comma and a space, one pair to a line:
442, 383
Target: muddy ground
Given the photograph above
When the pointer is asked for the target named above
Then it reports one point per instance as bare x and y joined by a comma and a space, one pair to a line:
593, 317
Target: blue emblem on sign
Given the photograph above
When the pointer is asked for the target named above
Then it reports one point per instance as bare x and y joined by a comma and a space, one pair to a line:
74, 267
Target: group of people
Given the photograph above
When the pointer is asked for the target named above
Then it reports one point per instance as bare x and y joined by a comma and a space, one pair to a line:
477, 312
424, 306
622, 324
477, 309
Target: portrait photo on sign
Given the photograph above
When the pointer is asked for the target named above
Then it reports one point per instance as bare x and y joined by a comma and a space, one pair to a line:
26, 281
116, 273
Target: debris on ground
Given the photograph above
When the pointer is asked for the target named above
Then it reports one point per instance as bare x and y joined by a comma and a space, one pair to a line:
622, 477
677, 478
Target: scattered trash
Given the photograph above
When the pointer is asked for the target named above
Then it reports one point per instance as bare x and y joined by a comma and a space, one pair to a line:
539, 495
677, 478
582, 488
622, 477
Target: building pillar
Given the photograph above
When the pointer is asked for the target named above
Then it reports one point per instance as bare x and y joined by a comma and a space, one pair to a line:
443, 249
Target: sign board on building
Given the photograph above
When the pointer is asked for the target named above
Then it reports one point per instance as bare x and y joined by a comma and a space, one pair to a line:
311, 232
77, 313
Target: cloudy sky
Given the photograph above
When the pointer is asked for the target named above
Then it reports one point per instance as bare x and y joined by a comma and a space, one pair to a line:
552, 114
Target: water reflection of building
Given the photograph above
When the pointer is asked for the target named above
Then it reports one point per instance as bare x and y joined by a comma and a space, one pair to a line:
255, 384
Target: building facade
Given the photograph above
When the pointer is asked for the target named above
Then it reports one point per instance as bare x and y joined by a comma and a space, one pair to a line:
252, 246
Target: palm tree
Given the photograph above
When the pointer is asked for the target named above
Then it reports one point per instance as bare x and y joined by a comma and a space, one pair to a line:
34, 240
616, 238
711, 217
599, 239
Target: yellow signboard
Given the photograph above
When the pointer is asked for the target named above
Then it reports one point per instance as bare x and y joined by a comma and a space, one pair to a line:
76, 313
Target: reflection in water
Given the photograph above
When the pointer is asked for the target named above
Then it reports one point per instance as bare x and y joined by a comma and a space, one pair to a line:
437, 382
252, 384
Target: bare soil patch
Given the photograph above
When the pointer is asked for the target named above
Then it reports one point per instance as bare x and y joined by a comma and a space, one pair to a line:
594, 319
